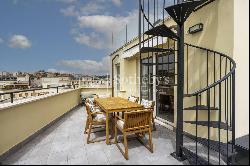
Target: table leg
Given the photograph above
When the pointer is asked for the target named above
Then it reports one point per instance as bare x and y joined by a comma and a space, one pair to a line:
107, 128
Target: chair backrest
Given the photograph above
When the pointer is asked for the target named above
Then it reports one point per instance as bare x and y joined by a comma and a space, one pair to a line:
88, 109
90, 101
133, 99
137, 120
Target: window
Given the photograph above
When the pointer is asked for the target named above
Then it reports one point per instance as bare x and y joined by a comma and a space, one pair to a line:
118, 78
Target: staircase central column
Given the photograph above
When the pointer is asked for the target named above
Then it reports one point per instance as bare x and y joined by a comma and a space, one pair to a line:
180, 91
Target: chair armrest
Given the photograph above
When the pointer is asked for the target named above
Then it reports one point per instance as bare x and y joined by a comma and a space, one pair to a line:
149, 108
95, 113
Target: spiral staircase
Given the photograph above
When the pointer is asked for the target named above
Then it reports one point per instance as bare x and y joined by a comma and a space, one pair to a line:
217, 97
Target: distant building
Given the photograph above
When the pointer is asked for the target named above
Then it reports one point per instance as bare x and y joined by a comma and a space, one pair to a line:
95, 82
14, 81
55, 81
4, 73
7, 78
23, 78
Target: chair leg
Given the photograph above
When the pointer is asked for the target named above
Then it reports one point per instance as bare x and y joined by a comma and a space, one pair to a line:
111, 128
150, 141
86, 126
126, 146
153, 121
89, 132
116, 141
115, 127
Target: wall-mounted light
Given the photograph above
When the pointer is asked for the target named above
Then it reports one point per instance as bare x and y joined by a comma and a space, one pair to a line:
196, 28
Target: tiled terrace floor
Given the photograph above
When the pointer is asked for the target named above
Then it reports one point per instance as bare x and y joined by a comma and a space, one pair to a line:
65, 143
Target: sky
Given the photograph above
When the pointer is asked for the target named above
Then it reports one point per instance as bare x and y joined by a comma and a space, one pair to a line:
63, 35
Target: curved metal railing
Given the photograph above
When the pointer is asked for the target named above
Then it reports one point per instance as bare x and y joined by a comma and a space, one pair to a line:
217, 94
231, 72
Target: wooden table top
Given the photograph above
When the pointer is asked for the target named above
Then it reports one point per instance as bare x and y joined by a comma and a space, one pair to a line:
117, 104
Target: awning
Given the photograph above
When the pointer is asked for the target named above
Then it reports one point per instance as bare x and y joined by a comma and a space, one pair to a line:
150, 43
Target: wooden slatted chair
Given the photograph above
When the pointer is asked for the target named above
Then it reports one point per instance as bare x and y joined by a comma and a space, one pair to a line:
135, 122
95, 118
149, 105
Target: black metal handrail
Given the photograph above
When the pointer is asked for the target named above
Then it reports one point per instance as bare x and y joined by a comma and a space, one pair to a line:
35, 89
219, 81
146, 18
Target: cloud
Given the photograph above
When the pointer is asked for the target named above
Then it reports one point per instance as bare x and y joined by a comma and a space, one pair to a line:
94, 24
91, 40
19, 41
103, 26
87, 66
117, 2
52, 70
1, 40
15, 2
70, 11
68, 1
102, 23
92, 8
87, 9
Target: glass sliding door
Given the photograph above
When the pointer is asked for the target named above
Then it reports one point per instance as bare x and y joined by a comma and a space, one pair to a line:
159, 74
165, 71
147, 78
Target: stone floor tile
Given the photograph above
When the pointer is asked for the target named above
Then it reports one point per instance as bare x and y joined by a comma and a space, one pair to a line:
65, 143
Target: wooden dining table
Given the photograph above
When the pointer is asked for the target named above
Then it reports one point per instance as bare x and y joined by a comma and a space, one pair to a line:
115, 105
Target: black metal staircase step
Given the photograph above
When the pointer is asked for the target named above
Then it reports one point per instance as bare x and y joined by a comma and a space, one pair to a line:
162, 31
213, 124
180, 12
217, 146
154, 49
201, 107
191, 157
242, 143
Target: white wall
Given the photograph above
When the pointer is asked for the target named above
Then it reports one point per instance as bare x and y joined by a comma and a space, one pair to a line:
241, 56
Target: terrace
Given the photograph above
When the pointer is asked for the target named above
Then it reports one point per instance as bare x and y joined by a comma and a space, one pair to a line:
201, 107
41, 131
64, 141
59, 144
